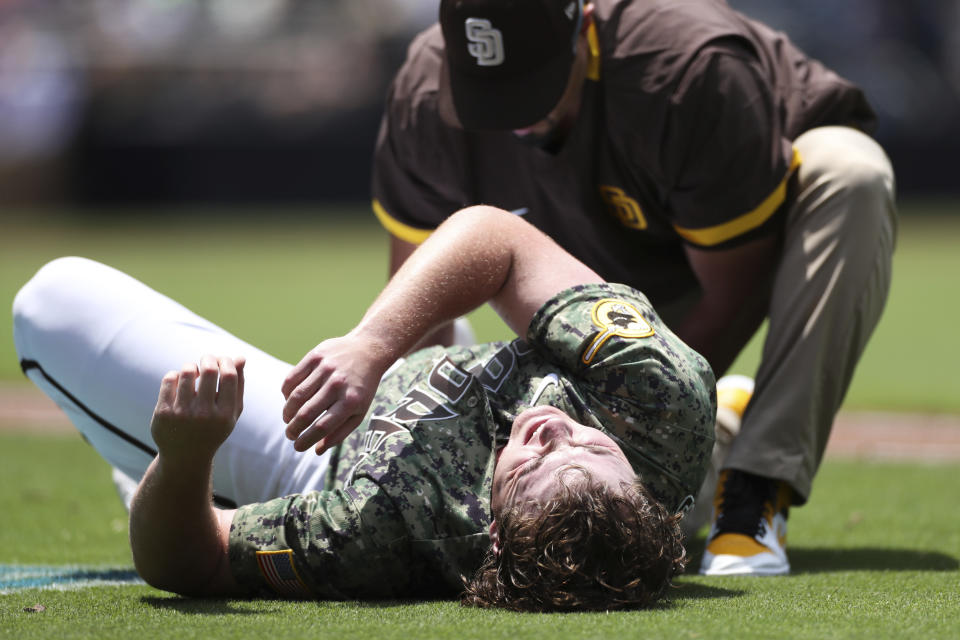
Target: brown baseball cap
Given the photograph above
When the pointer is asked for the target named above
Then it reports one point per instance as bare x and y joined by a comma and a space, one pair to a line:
506, 62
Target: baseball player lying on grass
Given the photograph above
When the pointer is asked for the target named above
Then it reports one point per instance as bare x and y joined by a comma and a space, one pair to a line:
552, 469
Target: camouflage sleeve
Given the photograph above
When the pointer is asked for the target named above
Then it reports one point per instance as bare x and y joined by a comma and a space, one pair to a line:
644, 385
326, 545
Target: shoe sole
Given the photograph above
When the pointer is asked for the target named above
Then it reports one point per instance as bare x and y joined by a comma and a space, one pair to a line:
763, 564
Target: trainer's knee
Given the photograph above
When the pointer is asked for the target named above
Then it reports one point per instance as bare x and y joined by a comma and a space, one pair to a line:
847, 185
867, 186
850, 166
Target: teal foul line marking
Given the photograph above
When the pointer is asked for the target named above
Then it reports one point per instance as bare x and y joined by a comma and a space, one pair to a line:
15, 577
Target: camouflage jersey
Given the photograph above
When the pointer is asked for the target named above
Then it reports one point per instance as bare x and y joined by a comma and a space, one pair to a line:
406, 506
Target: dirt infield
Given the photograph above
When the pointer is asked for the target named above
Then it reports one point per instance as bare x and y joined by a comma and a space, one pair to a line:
867, 435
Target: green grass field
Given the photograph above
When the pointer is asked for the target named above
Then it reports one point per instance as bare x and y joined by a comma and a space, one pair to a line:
875, 554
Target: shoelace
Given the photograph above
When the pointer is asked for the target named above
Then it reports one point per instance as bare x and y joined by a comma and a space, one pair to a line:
746, 502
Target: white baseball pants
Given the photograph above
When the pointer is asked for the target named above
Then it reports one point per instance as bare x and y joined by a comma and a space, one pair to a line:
98, 342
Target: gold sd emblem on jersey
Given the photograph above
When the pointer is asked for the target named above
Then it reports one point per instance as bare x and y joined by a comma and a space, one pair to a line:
615, 318
623, 207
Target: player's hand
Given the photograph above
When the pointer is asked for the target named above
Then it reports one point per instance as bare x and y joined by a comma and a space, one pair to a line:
329, 391
198, 407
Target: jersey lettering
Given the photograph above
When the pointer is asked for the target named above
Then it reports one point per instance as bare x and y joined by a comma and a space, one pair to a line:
497, 369
520, 347
449, 380
379, 430
418, 405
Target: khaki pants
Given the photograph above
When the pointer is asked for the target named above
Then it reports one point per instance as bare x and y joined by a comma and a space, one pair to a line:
829, 292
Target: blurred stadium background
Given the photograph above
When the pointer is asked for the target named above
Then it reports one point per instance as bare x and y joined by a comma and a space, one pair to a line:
112, 103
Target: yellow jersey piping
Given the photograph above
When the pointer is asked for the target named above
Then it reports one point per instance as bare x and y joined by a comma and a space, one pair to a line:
709, 236
593, 62
396, 228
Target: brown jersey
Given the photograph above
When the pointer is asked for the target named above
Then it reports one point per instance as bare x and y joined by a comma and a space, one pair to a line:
684, 136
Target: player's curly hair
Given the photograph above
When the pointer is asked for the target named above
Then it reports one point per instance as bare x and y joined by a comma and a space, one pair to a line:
589, 548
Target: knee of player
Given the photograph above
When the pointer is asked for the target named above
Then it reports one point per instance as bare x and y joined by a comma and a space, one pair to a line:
34, 295
43, 288
44, 294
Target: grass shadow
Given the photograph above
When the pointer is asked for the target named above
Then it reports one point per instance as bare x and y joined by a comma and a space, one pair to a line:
803, 560
679, 591
205, 606
825, 560
393, 603
696, 591
819, 560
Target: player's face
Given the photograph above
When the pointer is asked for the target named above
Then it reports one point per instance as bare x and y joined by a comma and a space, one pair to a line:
545, 444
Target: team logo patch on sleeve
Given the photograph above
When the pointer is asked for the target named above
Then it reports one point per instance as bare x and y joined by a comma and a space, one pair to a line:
281, 574
615, 318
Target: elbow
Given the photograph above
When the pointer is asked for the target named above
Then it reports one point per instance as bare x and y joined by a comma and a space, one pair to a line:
485, 221
161, 575
159, 581
183, 570
182, 584
481, 214
166, 568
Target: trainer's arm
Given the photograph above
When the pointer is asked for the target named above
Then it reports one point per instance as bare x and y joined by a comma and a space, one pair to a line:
481, 254
736, 287
179, 540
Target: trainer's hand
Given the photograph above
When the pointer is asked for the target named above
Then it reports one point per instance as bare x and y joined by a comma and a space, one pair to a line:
195, 414
329, 391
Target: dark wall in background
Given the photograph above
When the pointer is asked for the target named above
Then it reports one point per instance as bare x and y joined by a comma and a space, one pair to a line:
198, 102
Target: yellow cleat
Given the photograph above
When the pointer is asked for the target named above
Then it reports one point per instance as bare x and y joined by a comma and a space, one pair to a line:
749, 531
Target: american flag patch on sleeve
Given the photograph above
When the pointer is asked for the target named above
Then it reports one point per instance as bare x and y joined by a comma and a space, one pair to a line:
281, 574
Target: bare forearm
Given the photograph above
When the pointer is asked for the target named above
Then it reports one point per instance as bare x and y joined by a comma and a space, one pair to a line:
174, 528
737, 285
443, 335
